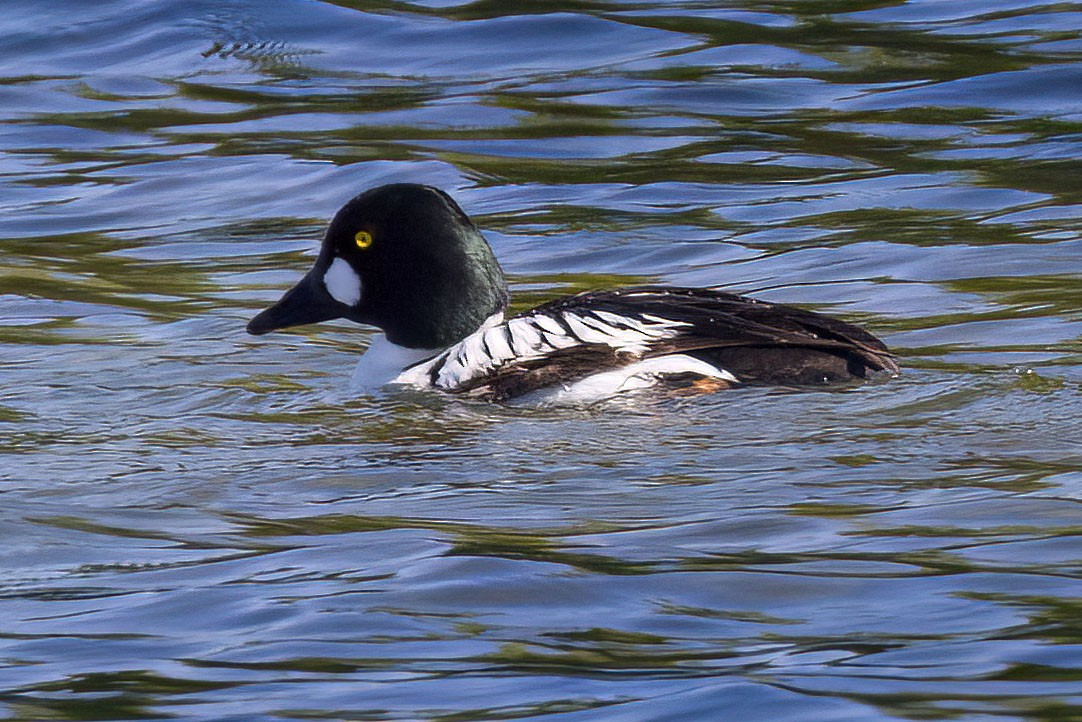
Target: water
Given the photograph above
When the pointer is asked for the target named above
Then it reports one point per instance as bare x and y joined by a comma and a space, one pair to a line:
200, 524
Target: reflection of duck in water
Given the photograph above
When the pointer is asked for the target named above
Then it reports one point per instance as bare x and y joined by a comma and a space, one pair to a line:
407, 259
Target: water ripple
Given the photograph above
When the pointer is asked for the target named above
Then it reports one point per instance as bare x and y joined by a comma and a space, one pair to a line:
203, 524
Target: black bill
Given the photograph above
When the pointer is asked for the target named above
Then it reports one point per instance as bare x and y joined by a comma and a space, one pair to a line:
307, 302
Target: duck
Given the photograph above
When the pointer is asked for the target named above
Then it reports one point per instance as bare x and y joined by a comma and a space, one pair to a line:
407, 260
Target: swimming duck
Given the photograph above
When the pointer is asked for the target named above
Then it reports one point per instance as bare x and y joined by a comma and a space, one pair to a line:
406, 259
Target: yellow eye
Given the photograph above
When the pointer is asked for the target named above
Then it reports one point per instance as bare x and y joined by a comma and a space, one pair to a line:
363, 239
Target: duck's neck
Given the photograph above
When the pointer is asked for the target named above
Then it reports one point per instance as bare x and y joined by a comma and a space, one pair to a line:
438, 293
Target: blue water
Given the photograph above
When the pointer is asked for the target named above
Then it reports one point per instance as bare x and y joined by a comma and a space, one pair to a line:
200, 524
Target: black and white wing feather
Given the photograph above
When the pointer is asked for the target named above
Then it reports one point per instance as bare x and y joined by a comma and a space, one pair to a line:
566, 340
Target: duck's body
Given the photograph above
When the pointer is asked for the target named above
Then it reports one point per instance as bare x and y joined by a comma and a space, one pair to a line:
405, 258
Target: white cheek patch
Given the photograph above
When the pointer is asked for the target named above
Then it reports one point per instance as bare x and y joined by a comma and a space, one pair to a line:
343, 283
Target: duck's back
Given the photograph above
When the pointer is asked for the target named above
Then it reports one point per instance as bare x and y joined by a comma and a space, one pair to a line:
655, 331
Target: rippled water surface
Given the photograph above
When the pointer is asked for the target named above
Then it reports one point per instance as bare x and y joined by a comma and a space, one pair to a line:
201, 524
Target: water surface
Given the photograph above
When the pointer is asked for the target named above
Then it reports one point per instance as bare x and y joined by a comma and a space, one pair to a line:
202, 524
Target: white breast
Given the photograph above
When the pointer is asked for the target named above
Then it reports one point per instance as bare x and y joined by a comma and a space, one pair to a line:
383, 363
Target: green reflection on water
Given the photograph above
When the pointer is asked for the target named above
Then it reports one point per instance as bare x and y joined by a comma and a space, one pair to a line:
283, 105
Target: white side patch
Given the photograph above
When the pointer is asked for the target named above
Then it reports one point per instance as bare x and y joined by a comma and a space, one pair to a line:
343, 283
639, 375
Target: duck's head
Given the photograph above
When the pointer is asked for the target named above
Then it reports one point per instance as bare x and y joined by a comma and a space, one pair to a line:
404, 258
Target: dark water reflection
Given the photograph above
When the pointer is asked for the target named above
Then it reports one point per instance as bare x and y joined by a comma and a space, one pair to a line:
201, 524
